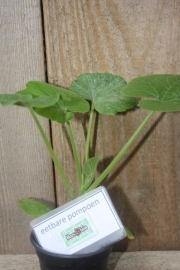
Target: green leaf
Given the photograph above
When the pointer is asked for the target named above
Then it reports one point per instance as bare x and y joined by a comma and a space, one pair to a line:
104, 90
33, 207
14, 99
27, 101
129, 234
162, 92
55, 113
69, 116
43, 102
67, 99
89, 169
90, 165
59, 112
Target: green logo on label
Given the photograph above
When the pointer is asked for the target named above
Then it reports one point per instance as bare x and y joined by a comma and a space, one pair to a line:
77, 232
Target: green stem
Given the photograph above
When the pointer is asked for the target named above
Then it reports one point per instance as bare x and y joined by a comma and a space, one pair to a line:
53, 156
87, 144
88, 138
75, 153
120, 154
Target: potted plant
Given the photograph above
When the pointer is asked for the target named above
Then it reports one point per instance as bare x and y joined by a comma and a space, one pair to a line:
106, 94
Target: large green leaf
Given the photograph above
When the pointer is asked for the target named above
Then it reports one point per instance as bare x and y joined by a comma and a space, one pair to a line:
33, 207
27, 101
163, 91
43, 102
59, 112
14, 99
67, 101
104, 90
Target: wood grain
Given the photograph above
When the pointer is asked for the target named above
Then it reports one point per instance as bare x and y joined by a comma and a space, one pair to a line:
25, 166
128, 38
160, 260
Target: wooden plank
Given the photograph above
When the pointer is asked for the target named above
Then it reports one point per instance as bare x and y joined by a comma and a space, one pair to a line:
129, 39
157, 260
25, 166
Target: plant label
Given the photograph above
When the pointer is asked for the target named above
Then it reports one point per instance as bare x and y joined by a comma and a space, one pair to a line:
83, 225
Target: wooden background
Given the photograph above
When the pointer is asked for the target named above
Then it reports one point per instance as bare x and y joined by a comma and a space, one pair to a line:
55, 41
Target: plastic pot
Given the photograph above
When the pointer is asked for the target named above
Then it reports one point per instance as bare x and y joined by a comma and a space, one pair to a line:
91, 261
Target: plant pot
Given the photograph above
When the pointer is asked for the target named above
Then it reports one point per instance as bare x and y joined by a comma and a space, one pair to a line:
91, 261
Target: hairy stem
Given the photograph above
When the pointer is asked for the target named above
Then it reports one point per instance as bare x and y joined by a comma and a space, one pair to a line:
120, 154
53, 156
88, 138
87, 144
75, 153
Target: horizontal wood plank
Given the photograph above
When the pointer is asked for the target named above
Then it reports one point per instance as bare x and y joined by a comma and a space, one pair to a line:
154, 260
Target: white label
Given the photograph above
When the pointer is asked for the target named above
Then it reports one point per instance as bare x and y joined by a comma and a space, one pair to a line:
82, 225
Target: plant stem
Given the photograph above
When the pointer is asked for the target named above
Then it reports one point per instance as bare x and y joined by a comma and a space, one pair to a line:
75, 153
88, 138
53, 156
87, 144
120, 154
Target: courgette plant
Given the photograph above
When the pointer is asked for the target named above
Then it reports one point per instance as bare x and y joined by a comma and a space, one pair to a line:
101, 92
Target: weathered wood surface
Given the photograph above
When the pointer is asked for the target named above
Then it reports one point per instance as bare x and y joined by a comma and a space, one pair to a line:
118, 261
128, 38
25, 166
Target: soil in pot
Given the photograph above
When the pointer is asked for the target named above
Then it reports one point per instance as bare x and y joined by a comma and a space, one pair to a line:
91, 261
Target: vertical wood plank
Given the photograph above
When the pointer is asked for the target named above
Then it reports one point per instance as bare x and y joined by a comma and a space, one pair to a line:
128, 38
25, 166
